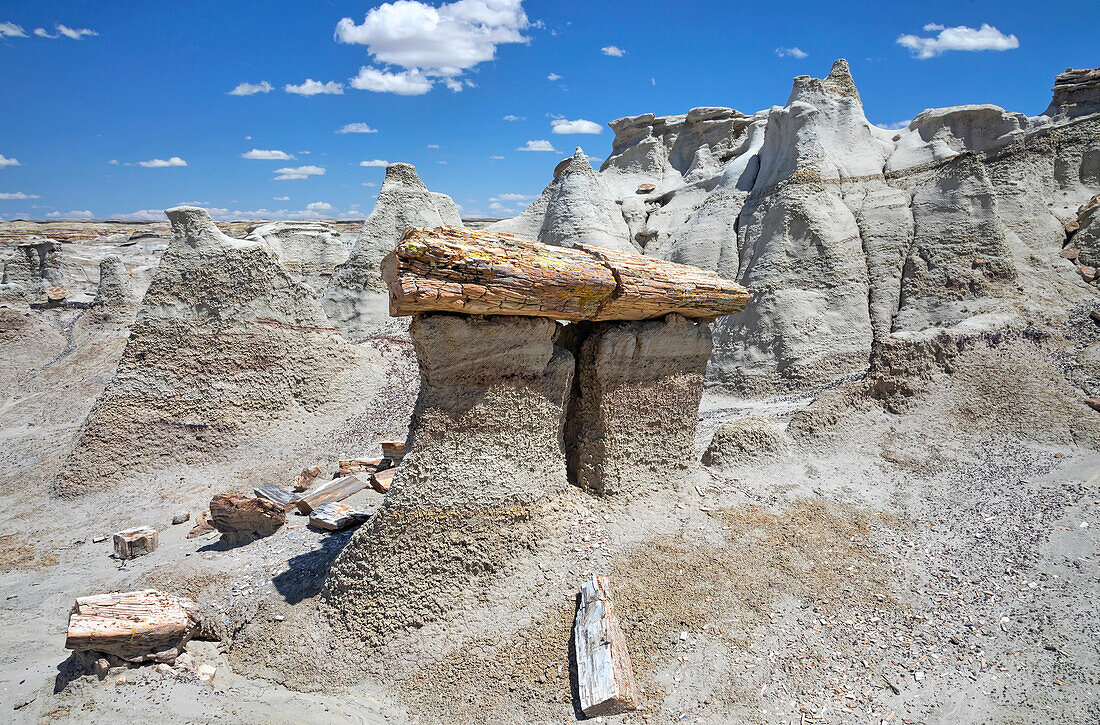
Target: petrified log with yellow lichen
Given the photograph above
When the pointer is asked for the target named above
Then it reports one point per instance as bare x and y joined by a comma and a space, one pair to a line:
481, 273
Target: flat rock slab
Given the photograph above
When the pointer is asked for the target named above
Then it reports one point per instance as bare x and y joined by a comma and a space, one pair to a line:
335, 490
336, 517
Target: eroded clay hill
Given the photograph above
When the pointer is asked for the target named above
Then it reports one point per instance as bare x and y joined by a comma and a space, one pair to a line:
848, 234
224, 341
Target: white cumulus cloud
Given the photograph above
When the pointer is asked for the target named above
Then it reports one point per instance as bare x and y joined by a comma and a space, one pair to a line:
537, 145
374, 162
11, 30
511, 197
959, 37
282, 198
267, 155
561, 125
433, 146
357, 128
512, 117
553, 77
320, 206
613, 50
430, 43
406, 83
163, 163
792, 52
313, 88
251, 89
291, 173
17, 195
5, 161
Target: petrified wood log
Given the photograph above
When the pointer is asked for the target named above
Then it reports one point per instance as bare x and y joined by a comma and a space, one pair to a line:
335, 490
135, 542
477, 272
236, 515
136, 626
605, 679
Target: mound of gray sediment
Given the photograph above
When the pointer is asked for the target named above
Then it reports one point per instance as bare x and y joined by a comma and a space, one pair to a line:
224, 341
743, 440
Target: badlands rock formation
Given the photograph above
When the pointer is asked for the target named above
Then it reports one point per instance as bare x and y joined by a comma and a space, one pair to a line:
848, 234
224, 340
115, 294
310, 251
485, 454
632, 418
355, 298
499, 419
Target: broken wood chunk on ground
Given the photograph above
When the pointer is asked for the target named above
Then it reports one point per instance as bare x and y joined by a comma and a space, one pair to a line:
135, 542
361, 465
336, 516
135, 626
394, 450
284, 499
381, 481
235, 515
335, 490
306, 478
202, 525
605, 679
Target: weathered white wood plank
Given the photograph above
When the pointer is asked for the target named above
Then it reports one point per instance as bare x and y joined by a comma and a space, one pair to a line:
276, 495
336, 516
335, 490
605, 679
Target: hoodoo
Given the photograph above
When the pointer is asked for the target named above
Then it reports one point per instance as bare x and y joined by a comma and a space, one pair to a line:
508, 394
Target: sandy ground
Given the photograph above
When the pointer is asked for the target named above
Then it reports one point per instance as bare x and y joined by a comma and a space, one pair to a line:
934, 566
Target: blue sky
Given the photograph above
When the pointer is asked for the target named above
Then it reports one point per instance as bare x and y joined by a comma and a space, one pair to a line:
154, 82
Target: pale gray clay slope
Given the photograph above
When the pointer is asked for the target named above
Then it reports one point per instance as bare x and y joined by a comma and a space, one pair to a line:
355, 299
846, 233
224, 341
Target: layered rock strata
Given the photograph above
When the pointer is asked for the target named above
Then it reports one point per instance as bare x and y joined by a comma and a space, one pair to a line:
848, 233
631, 423
224, 340
310, 251
485, 456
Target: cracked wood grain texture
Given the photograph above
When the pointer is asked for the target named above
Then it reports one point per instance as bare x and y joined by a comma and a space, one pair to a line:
482, 273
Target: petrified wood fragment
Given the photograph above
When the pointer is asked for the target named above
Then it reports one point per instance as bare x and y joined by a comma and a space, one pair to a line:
605, 679
477, 272
136, 626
